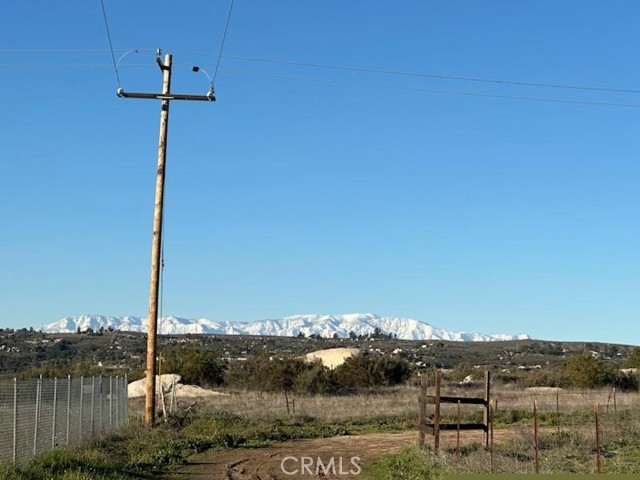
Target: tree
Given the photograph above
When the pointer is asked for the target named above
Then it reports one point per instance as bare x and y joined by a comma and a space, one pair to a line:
368, 371
590, 372
633, 360
265, 373
315, 378
195, 367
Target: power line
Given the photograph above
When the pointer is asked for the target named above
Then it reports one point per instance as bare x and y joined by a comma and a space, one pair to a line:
113, 57
421, 75
350, 82
437, 91
224, 38
436, 76
64, 50
332, 67
68, 65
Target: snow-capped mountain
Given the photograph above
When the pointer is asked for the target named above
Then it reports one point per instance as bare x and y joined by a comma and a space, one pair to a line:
323, 325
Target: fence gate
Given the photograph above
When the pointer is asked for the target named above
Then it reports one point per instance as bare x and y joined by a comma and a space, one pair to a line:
434, 427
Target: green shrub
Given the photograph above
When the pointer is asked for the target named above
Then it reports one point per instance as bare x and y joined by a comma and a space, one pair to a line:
408, 464
587, 371
371, 371
194, 366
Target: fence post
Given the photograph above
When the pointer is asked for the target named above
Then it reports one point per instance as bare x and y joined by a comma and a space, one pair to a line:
123, 399
535, 435
615, 408
55, 405
81, 403
422, 406
596, 411
436, 418
286, 401
486, 415
558, 409
458, 432
37, 417
68, 406
15, 419
93, 403
111, 402
126, 399
101, 401
491, 410
117, 401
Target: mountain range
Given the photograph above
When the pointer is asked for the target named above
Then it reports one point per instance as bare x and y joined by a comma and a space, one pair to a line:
323, 325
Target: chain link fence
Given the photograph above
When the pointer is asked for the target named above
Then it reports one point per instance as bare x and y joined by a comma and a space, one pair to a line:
42, 414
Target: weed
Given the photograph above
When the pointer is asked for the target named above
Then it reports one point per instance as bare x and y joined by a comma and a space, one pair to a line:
408, 464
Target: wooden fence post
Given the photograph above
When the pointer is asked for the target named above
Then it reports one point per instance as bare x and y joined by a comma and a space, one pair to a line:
458, 432
437, 425
436, 417
535, 435
422, 415
596, 411
558, 409
491, 410
487, 415
615, 408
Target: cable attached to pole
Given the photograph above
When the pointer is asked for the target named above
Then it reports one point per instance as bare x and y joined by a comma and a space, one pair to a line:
224, 38
113, 57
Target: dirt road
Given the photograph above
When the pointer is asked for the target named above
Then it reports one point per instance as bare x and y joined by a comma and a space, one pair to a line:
321, 458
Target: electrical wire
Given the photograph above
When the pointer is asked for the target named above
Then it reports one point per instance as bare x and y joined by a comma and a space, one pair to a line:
368, 84
437, 91
69, 65
420, 75
113, 57
436, 76
224, 38
53, 50
324, 66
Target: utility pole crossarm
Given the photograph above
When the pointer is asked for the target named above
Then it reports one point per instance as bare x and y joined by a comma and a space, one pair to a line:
209, 97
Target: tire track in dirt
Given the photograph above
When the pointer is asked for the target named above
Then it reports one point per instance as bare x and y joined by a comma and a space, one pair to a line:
280, 460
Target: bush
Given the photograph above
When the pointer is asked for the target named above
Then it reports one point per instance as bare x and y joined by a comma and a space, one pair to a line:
547, 378
633, 360
315, 379
628, 382
195, 367
369, 371
296, 375
589, 372
278, 374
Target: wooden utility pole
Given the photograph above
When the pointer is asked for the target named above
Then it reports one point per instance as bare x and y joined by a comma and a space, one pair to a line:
165, 96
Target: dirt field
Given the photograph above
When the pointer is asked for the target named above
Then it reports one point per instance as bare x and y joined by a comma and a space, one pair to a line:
267, 463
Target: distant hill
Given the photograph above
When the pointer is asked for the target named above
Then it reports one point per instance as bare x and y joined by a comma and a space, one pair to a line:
361, 324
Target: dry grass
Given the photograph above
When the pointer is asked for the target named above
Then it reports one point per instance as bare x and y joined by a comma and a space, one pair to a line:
571, 400
402, 402
333, 408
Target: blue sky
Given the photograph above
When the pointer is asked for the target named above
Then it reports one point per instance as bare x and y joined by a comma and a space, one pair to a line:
468, 205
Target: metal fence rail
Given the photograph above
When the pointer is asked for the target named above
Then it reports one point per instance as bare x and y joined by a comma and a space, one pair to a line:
42, 414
